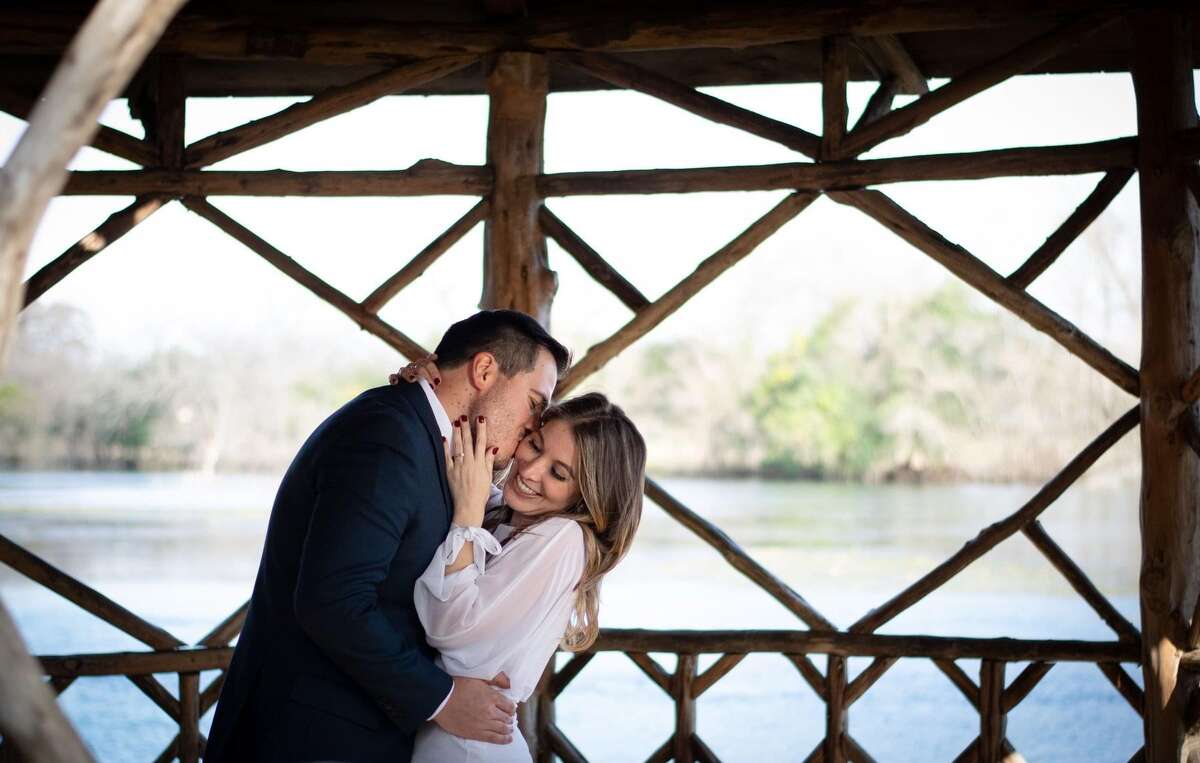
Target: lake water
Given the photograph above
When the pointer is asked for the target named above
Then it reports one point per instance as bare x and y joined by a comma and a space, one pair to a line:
182, 550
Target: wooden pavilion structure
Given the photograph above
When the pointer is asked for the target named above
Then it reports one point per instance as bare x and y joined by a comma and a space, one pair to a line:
347, 54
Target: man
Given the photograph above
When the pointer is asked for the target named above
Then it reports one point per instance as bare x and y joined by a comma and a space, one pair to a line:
332, 663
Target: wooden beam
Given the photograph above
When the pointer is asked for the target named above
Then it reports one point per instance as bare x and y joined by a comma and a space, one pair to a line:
811, 674
366, 41
737, 558
562, 746
617, 72
1125, 685
516, 270
867, 678
137, 663
654, 314
107, 139
1023, 684
31, 722
568, 673
1079, 220
715, 672
351, 309
682, 690
835, 710
1080, 582
83, 596
189, 718
426, 257
992, 719
996, 532
1078, 159
879, 103
959, 678
158, 694
425, 178
324, 105
99, 62
225, 631
992, 285
591, 261
835, 70
977, 80
653, 671
890, 59
1170, 223
116, 226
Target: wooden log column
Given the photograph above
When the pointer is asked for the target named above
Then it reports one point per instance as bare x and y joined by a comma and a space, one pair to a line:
516, 272
1162, 79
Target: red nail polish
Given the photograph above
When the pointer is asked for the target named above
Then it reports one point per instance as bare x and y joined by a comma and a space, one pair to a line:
495, 451
480, 419
457, 423
443, 439
437, 380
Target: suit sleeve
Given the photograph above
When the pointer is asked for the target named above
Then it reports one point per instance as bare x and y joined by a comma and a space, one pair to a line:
364, 503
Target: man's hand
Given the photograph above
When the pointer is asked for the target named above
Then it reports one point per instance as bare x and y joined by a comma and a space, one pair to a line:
476, 710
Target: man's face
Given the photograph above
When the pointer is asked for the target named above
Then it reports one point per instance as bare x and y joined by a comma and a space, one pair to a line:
513, 406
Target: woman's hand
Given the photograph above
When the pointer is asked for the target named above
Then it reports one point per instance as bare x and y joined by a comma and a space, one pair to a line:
469, 463
422, 368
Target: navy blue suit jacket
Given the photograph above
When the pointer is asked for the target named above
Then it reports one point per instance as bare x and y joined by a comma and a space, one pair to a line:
332, 663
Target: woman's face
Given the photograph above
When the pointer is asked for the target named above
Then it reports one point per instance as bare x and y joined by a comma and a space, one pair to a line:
543, 477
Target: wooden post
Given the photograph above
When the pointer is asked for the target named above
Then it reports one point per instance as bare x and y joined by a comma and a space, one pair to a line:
991, 711
536, 714
189, 717
516, 273
835, 709
685, 707
1162, 79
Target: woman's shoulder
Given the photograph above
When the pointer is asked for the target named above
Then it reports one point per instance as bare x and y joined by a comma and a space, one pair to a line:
557, 532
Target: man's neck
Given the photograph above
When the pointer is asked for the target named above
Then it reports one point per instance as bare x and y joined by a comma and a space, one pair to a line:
452, 400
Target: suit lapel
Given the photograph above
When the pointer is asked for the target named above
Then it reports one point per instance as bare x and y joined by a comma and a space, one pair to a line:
416, 398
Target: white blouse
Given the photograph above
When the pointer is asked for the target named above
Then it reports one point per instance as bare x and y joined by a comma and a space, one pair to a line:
507, 613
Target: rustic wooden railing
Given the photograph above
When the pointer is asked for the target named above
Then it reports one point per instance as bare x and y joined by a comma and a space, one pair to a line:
512, 187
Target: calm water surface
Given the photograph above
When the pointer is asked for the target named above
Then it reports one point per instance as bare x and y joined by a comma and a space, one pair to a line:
182, 550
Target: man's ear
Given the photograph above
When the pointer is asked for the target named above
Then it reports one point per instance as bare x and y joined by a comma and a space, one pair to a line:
483, 371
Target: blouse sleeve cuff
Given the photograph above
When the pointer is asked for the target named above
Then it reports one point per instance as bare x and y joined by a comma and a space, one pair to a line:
443, 586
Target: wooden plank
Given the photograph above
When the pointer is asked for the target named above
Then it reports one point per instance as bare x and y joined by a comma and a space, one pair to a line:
225, 631
1023, 684
117, 225
99, 62
83, 596
834, 73
32, 721
879, 103
1125, 685
888, 56
1079, 220
189, 718
136, 663
516, 270
591, 261
702, 752
663, 753
652, 669
427, 177
835, 710
996, 532
562, 746
1170, 576
959, 89
351, 309
626, 75
811, 674
322, 106
848, 644
867, 678
564, 677
683, 691
426, 257
992, 285
158, 694
211, 693
1080, 582
715, 672
736, 557
960, 679
708, 270
1084, 158
992, 719
107, 139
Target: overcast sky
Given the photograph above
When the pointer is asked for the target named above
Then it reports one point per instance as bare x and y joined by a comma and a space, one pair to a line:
177, 280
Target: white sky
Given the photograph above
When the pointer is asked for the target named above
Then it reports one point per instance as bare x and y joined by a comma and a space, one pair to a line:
177, 280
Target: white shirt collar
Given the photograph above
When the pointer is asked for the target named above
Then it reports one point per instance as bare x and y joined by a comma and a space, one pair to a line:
439, 411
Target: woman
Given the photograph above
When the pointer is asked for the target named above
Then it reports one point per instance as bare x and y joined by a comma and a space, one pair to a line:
519, 572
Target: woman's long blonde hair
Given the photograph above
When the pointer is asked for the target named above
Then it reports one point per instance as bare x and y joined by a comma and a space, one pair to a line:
611, 477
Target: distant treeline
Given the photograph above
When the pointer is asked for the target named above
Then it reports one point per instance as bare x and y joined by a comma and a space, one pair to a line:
940, 387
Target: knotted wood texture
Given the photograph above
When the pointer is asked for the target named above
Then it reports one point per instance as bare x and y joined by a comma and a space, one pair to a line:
516, 272
1170, 583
